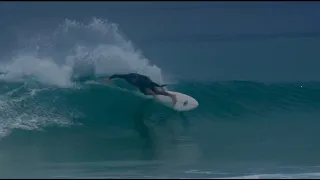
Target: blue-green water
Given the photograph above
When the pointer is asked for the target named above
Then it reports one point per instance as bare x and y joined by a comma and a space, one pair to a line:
253, 67
240, 128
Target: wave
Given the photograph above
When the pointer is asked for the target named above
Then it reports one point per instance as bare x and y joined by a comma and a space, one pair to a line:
46, 96
32, 106
43, 63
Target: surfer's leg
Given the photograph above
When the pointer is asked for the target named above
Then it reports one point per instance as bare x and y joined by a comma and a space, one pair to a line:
148, 91
164, 93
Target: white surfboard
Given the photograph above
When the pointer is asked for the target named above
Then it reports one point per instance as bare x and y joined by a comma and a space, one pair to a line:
184, 102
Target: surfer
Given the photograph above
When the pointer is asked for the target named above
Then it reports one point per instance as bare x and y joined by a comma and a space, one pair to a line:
144, 84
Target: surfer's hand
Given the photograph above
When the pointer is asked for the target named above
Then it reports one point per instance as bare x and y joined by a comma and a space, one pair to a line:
107, 80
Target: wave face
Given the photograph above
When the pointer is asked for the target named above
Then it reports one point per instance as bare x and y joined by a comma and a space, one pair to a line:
54, 122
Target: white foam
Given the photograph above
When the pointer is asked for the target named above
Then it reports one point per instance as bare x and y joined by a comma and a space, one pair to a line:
73, 48
15, 114
44, 70
278, 176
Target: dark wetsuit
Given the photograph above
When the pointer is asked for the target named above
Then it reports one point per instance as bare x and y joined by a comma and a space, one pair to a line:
140, 81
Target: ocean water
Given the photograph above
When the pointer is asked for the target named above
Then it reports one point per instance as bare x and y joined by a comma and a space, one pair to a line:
252, 66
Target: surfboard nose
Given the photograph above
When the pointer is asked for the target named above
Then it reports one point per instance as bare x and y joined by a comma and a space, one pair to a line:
196, 103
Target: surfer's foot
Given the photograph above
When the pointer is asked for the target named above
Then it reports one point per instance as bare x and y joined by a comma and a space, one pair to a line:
174, 99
